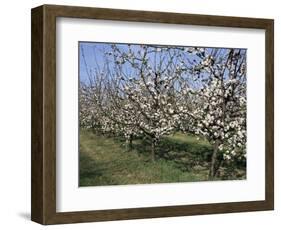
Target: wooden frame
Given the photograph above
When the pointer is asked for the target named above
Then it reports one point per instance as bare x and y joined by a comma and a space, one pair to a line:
43, 208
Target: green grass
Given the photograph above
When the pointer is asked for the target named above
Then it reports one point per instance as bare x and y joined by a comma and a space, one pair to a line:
106, 161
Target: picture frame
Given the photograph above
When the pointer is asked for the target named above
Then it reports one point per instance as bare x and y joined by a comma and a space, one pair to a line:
43, 160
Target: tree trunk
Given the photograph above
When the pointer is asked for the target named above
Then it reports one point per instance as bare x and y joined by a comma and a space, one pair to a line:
213, 160
129, 142
220, 160
153, 142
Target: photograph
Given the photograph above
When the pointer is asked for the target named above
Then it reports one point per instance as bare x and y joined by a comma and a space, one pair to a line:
139, 114
161, 114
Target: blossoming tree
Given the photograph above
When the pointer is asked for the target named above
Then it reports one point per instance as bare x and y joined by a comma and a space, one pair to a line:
156, 90
148, 80
220, 104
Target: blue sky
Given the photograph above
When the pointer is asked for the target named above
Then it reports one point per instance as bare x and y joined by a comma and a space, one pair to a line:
91, 56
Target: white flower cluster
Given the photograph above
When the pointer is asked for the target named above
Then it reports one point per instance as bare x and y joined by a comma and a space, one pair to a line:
220, 111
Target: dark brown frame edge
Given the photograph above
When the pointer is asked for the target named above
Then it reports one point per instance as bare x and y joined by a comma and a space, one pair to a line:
43, 159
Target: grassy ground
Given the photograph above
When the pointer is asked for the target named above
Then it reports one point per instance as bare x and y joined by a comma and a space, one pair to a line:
106, 161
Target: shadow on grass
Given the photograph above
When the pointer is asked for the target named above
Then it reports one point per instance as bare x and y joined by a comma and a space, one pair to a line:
188, 154
180, 157
91, 172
